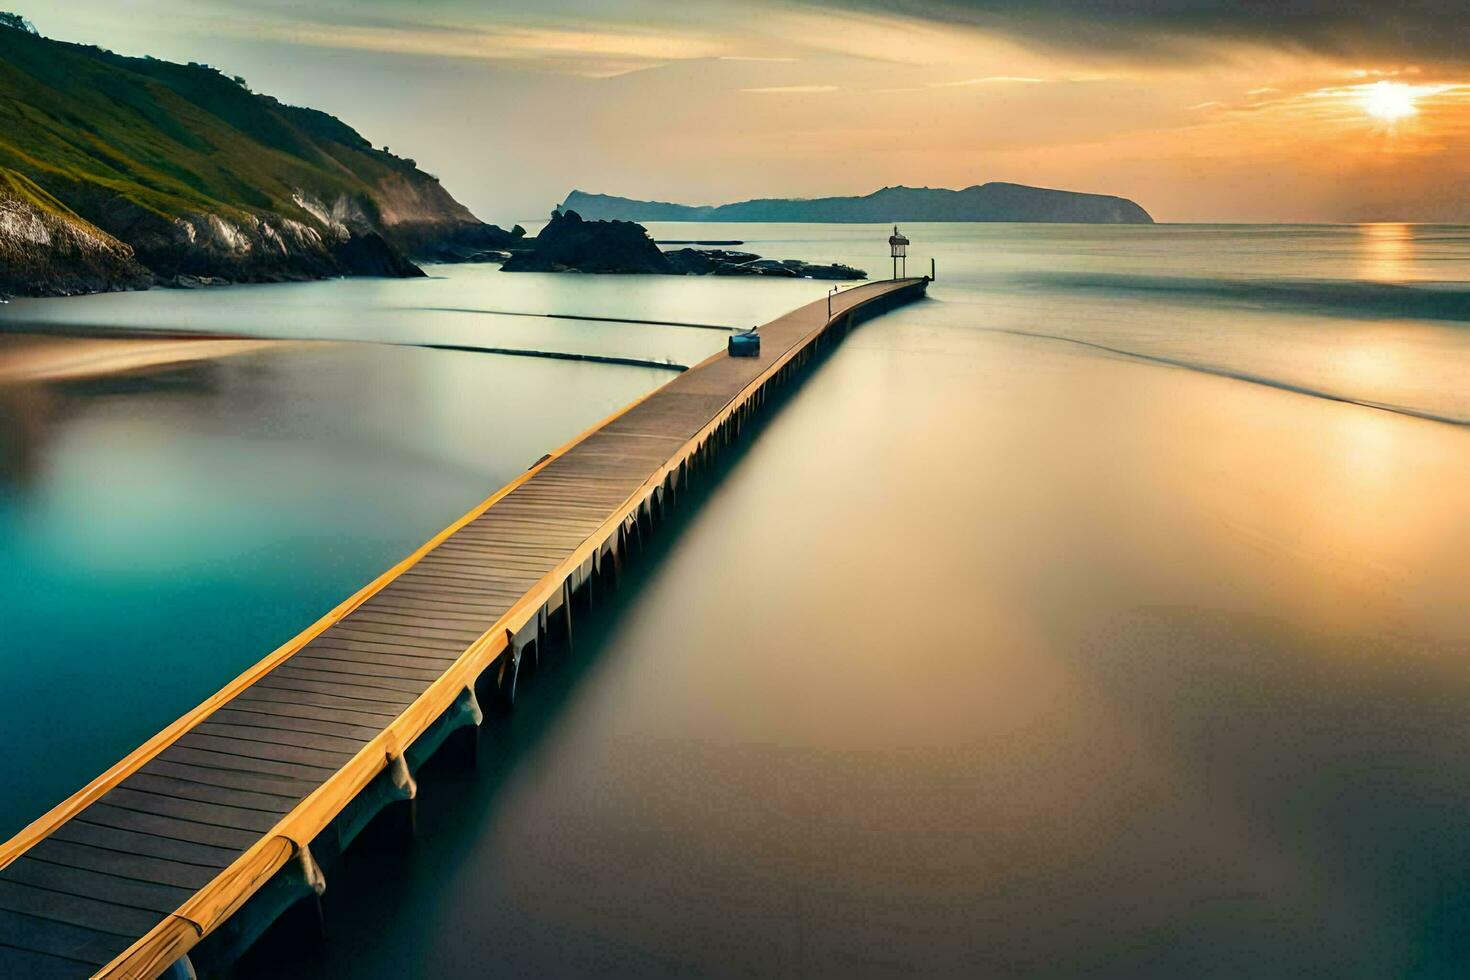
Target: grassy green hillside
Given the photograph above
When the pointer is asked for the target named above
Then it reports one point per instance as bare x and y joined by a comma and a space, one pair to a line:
200, 175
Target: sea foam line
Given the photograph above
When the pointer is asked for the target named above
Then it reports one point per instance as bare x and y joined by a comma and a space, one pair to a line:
1254, 379
555, 355
569, 316
1357, 299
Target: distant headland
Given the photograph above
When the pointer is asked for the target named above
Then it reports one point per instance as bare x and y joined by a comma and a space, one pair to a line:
982, 202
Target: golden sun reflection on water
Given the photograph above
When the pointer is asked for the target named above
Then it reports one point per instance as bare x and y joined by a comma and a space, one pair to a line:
1386, 252
1369, 364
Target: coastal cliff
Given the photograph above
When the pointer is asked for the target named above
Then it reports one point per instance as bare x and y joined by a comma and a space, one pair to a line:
982, 202
45, 249
141, 170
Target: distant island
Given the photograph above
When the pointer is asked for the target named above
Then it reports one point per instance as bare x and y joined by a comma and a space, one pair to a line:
982, 202
119, 173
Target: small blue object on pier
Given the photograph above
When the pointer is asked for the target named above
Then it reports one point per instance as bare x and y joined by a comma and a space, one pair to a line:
746, 343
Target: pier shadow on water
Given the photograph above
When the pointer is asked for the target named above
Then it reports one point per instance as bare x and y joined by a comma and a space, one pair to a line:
1142, 727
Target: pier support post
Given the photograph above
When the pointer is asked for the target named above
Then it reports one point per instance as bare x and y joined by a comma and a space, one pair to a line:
539, 653
516, 644
566, 614
407, 806
604, 570
463, 744
588, 581
180, 969
311, 872
311, 917
507, 675
642, 519
402, 779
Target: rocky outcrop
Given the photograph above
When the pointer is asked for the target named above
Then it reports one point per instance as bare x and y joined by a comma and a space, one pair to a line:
482, 243
48, 251
570, 244
204, 180
371, 255
982, 202
720, 262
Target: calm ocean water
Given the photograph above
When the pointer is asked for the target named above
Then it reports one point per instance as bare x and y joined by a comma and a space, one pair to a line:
1103, 614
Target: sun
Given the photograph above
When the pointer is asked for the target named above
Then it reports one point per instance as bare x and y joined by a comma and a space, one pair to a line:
1389, 101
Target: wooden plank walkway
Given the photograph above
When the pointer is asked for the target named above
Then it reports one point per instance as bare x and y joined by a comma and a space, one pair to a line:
221, 811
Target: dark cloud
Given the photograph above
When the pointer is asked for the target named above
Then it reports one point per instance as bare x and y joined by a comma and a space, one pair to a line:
1431, 30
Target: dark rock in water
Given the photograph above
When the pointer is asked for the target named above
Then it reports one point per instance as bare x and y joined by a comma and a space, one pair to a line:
834, 271
569, 244
186, 281
465, 254
771, 267
709, 261
720, 262
478, 243
371, 255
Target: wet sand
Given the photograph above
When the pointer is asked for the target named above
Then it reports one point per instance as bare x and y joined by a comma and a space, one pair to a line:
47, 357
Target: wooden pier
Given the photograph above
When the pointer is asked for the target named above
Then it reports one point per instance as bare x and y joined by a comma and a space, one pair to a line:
189, 847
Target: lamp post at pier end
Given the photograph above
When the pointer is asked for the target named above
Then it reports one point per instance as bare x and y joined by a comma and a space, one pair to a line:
898, 247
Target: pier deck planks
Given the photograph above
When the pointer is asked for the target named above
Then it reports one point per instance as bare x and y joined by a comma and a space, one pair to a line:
107, 871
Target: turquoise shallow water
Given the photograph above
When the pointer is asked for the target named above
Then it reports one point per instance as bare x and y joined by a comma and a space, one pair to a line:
163, 531
1081, 620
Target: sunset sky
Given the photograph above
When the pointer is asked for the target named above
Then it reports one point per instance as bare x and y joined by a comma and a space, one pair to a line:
1298, 110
